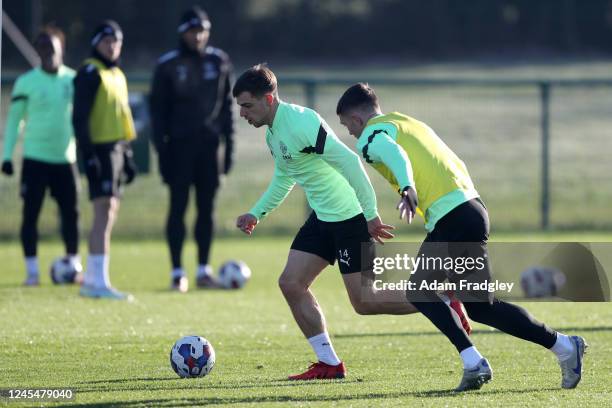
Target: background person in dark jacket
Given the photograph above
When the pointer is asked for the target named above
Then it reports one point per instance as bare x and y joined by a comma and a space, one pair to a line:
191, 112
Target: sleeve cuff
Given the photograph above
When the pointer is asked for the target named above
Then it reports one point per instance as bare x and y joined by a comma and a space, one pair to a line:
370, 214
260, 215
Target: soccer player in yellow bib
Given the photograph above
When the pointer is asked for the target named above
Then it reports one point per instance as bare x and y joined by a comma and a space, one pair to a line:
103, 126
433, 182
306, 152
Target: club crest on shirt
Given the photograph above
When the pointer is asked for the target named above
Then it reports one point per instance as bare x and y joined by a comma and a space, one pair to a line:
181, 72
209, 71
286, 155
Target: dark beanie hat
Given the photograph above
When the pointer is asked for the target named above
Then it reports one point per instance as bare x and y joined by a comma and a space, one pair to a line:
194, 17
107, 27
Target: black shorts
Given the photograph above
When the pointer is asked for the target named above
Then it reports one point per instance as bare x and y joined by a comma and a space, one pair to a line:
109, 183
61, 179
340, 240
193, 161
460, 235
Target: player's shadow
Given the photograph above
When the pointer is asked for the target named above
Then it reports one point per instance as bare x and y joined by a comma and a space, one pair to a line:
188, 384
126, 380
182, 402
192, 292
491, 331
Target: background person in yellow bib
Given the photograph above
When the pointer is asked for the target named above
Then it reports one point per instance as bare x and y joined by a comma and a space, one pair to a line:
103, 126
433, 181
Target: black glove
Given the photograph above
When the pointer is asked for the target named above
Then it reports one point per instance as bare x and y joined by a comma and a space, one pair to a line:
408, 204
129, 166
164, 165
7, 167
93, 168
411, 197
228, 162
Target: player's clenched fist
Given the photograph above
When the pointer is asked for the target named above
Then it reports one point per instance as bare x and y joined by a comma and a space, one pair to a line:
246, 223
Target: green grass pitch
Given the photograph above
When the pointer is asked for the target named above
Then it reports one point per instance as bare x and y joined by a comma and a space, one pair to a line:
115, 354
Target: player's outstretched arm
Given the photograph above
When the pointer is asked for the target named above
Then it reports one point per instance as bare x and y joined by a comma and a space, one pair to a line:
279, 188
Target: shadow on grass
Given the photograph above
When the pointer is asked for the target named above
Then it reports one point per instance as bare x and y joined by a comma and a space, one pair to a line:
181, 402
192, 291
121, 380
188, 384
570, 330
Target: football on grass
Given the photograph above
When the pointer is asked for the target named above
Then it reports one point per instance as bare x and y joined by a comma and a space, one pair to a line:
234, 274
539, 282
64, 271
192, 356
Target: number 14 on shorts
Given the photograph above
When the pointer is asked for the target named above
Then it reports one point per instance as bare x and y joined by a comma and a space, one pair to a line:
343, 256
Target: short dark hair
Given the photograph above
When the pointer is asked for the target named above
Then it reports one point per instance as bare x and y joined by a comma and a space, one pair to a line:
258, 80
359, 95
50, 30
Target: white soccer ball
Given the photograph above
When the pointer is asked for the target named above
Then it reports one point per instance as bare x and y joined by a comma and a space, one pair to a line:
192, 356
538, 282
63, 271
234, 274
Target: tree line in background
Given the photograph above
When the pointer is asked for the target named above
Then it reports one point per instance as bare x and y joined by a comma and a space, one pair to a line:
313, 30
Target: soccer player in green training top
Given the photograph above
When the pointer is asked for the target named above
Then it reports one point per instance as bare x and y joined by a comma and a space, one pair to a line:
42, 101
434, 182
307, 152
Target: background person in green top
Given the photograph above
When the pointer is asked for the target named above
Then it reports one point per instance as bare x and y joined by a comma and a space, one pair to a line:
429, 177
103, 127
42, 102
307, 152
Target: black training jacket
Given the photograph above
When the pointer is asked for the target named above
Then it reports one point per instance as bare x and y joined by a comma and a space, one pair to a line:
191, 97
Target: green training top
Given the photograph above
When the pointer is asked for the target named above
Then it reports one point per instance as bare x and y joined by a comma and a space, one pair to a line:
407, 152
307, 152
43, 103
